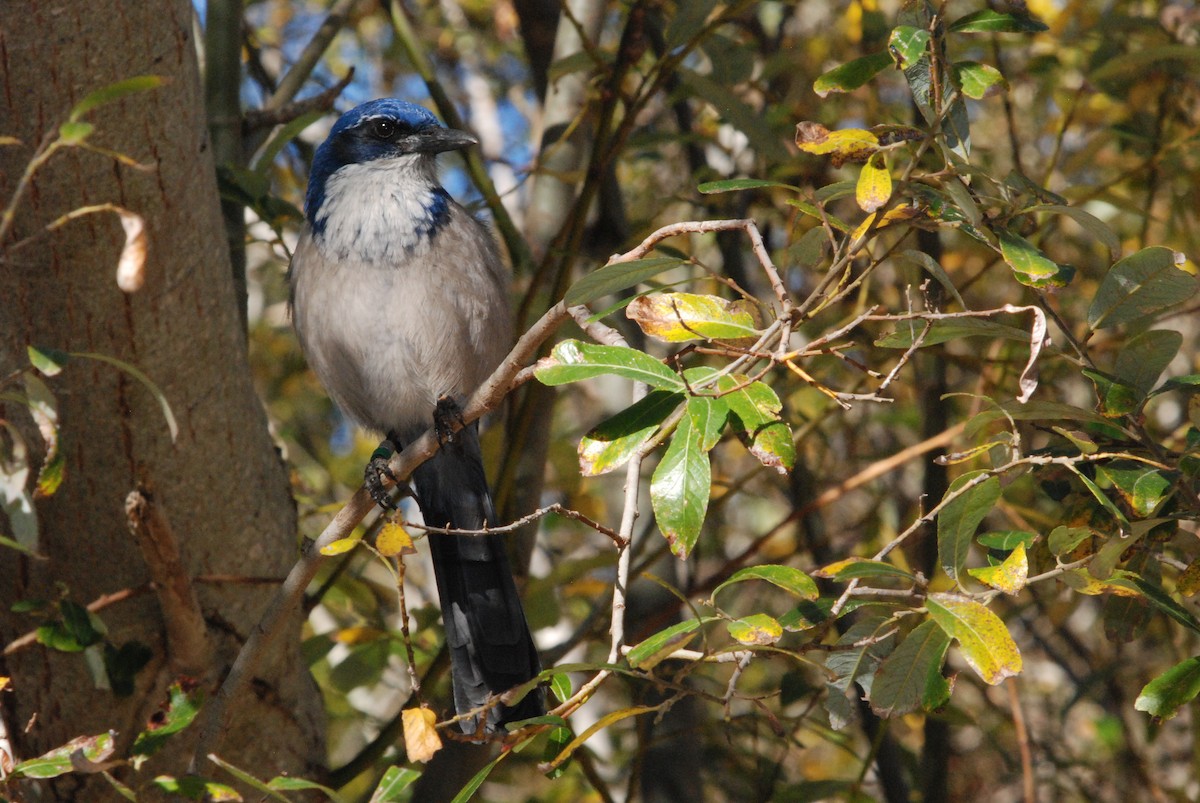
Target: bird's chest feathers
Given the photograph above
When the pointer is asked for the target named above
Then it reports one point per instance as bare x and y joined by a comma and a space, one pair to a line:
379, 214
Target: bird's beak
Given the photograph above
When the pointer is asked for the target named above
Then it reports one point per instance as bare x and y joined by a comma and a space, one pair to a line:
439, 140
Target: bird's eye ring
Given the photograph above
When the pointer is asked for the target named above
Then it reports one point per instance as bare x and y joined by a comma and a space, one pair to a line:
383, 129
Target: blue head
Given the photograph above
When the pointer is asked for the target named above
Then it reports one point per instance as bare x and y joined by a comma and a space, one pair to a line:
386, 128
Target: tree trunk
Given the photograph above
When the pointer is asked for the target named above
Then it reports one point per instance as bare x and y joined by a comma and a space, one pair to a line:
221, 486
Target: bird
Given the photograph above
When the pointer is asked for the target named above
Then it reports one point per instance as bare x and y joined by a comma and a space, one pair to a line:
399, 299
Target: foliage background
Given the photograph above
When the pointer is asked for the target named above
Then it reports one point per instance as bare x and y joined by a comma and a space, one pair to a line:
591, 148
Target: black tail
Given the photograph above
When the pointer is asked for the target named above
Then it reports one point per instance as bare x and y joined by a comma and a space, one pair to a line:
491, 650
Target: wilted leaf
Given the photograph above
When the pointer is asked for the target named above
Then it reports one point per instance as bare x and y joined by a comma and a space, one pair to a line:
982, 638
680, 488
573, 361
421, 738
1140, 286
961, 517
903, 677
757, 629
845, 145
182, 706
1009, 576
679, 317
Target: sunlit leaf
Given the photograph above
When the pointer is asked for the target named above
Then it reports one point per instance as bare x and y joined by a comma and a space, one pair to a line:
1166, 694
653, 650
757, 629
94, 749
680, 487
853, 74
988, 21
1140, 286
196, 788
340, 546
679, 317
180, 710
1009, 576
982, 638
573, 361
862, 568
845, 145
1030, 266
788, 578
49, 361
393, 540
421, 740
977, 80
755, 412
874, 184
612, 443
908, 44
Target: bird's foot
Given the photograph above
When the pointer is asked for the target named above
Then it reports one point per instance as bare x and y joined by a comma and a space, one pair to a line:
378, 475
447, 419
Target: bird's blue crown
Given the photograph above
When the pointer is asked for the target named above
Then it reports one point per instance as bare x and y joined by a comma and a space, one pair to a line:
365, 133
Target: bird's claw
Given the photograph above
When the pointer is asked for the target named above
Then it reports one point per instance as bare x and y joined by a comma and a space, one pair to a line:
447, 419
377, 471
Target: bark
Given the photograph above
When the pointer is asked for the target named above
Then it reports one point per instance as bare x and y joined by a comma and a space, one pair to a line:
220, 489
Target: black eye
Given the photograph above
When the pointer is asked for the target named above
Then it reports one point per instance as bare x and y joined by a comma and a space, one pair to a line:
383, 129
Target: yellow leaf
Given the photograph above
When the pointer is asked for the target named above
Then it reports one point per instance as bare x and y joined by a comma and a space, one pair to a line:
982, 638
1082, 581
421, 739
393, 540
756, 630
1009, 576
846, 145
339, 546
361, 634
4, 681
678, 317
874, 184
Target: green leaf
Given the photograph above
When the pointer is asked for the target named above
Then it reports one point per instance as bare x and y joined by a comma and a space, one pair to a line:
788, 578
196, 788
653, 650
114, 92
618, 276
1159, 599
982, 638
560, 685
853, 74
1144, 357
1089, 222
734, 184
1101, 497
1142, 60
1031, 267
874, 184
680, 317
754, 409
559, 740
961, 517
49, 361
75, 133
1115, 397
861, 651
287, 783
950, 329
903, 677
708, 414
680, 488
755, 630
978, 81
908, 44
145, 380
862, 568
573, 361
180, 711
1007, 540
613, 442
1139, 286
1166, 694
988, 21
94, 749
1063, 540
246, 778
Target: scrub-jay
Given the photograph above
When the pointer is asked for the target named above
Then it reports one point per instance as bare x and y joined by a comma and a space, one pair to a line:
399, 299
